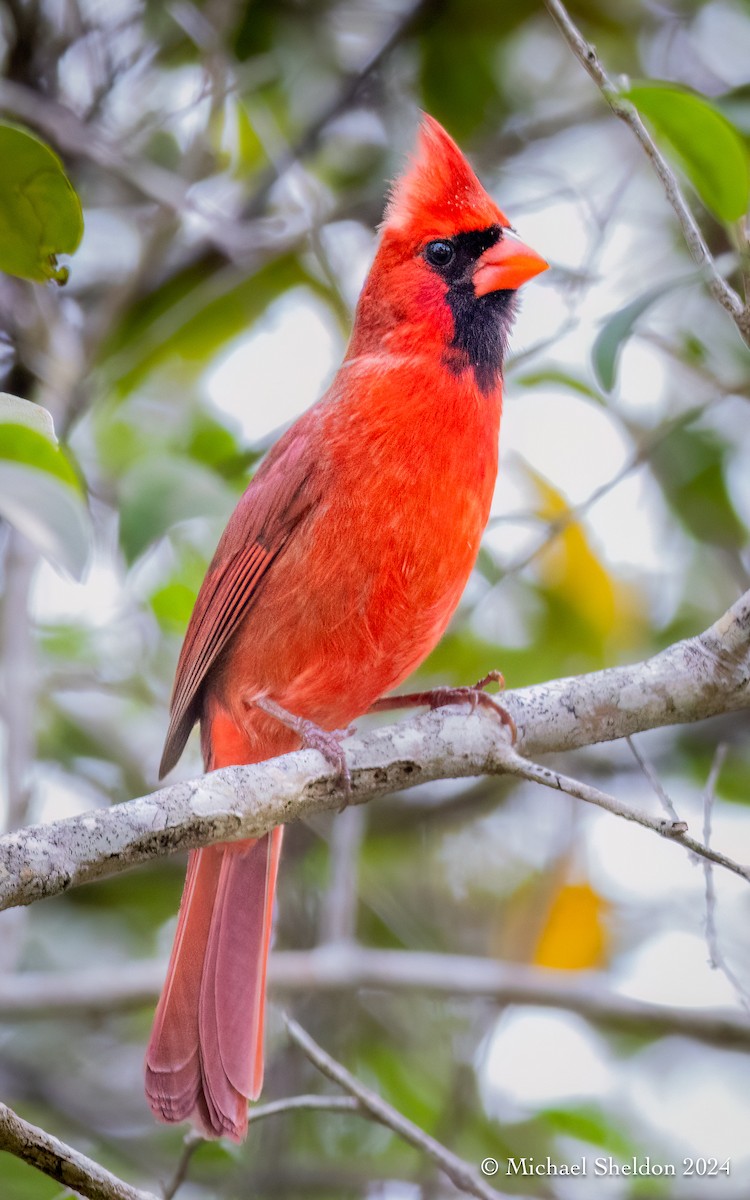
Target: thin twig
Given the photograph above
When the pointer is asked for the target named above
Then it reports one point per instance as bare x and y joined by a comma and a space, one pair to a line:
587, 56
190, 1143
462, 1174
347, 1104
697, 367
193, 1140
340, 103
671, 830
61, 1162
654, 780
639, 458
716, 955
279, 154
237, 241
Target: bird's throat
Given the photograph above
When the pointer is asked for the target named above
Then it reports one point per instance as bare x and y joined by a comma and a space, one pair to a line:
481, 329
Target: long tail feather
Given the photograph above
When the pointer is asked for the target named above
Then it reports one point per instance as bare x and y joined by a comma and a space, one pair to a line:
205, 1057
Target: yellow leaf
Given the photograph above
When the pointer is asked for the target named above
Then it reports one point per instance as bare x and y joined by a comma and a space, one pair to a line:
575, 935
571, 567
249, 146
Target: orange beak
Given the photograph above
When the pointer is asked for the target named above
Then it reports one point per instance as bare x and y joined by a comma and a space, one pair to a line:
506, 265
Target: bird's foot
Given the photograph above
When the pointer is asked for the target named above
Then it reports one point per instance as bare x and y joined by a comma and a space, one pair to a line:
313, 737
441, 696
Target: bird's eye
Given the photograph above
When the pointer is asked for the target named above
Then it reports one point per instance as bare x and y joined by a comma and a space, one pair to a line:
439, 254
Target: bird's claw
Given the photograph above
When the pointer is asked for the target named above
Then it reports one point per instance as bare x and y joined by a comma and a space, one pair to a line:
439, 697
328, 743
476, 697
313, 737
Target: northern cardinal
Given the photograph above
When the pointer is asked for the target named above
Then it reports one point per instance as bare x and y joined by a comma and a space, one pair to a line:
335, 577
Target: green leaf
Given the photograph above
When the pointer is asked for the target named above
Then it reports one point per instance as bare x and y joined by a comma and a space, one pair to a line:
249, 146
27, 434
588, 1124
617, 329
23, 412
39, 490
48, 511
40, 213
19, 443
709, 148
160, 491
560, 378
173, 604
212, 443
690, 465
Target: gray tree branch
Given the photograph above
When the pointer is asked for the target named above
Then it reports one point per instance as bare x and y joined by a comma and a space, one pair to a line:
61, 1162
693, 679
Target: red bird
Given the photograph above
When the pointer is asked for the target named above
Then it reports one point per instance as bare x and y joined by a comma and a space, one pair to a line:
336, 576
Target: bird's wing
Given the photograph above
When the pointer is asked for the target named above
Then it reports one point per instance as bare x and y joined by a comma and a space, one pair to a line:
283, 491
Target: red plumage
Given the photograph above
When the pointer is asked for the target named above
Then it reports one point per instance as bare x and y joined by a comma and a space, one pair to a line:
336, 575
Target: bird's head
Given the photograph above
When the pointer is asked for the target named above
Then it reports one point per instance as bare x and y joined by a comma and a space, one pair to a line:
448, 265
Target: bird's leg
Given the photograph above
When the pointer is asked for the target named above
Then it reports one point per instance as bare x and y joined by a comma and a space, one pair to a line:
440, 696
313, 737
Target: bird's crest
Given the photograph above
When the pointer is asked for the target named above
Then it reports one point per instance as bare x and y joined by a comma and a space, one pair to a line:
439, 192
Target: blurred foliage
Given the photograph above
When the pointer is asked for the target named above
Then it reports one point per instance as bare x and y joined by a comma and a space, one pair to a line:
40, 490
232, 157
40, 213
615, 332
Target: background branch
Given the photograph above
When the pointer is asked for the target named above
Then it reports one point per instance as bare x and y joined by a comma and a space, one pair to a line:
338, 916
346, 969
